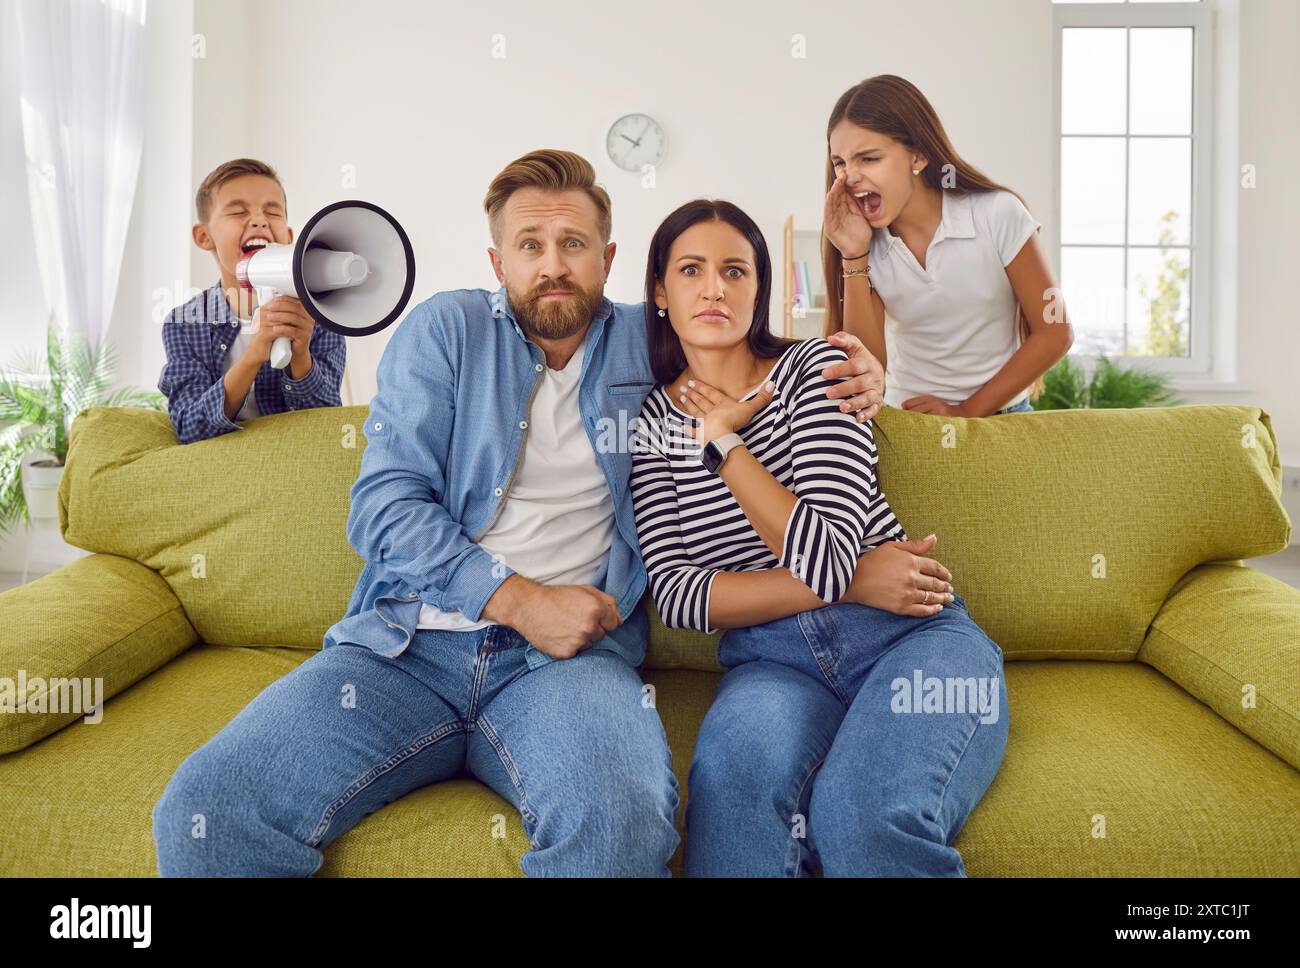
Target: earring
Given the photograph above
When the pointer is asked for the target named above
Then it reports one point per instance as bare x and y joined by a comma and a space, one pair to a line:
916, 171
662, 313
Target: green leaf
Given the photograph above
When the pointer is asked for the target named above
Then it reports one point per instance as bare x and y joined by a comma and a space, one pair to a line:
39, 399
1066, 387
1113, 387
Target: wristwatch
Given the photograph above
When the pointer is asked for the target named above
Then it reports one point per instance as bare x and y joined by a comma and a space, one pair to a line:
715, 452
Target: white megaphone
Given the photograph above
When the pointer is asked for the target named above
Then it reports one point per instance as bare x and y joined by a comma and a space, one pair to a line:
351, 267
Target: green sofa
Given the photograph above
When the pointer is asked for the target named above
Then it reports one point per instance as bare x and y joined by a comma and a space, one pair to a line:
1154, 680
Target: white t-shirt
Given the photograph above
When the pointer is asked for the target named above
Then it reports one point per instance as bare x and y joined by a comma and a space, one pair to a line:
558, 521
952, 325
238, 346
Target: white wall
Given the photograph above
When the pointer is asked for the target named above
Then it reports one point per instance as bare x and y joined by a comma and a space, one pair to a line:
412, 99
1268, 263
409, 94
156, 267
225, 76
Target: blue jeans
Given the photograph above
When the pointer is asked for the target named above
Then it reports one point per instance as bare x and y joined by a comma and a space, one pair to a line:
571, 744
1024, 406
821, 748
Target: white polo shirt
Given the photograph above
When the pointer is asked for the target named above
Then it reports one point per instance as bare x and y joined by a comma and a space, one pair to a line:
952, 325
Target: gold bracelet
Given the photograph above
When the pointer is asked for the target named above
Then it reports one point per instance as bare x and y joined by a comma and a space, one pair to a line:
857, 272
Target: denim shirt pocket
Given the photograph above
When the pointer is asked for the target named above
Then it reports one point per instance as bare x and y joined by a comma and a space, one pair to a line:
629, 385
623, 396
625, 393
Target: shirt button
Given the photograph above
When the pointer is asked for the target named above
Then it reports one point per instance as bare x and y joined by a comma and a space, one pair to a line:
523, 425
223, 346
538, 368
379, 425
497, 492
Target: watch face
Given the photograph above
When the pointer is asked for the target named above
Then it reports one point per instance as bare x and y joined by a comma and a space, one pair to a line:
711, 457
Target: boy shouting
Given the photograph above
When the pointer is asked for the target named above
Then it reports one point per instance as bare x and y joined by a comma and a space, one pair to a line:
218, 344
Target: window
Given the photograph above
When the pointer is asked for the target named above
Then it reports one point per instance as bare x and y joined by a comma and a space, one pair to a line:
1133, 104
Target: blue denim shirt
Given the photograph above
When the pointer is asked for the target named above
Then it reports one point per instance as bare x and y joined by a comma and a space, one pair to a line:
444, 440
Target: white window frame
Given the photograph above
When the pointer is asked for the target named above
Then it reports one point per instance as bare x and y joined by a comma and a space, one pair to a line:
1199, 363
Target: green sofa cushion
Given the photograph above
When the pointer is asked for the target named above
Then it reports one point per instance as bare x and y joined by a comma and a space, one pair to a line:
248, 529
1230, 636
101, 617
680, 648
1029, 509
1181, 793
1087, 739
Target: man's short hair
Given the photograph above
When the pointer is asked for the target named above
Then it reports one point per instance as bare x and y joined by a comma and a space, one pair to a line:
224, 173
552, 169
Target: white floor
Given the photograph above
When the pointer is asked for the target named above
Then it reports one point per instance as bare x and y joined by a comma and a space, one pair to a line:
1284, 565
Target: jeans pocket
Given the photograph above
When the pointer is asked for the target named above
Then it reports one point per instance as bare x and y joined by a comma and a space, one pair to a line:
824, 641
535, 658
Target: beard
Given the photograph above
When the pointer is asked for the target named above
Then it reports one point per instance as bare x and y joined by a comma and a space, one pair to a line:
555, 319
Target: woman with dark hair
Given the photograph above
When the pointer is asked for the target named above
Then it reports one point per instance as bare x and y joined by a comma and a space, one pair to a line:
914, 230
764, 518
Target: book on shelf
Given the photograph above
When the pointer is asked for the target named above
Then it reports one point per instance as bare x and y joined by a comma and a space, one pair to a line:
803, 294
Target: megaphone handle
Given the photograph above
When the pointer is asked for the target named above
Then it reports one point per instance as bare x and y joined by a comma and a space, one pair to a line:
282, 348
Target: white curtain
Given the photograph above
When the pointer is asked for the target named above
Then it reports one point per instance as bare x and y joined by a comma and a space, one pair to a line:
83, 79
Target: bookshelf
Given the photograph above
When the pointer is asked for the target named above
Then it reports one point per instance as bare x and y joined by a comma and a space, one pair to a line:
801, 263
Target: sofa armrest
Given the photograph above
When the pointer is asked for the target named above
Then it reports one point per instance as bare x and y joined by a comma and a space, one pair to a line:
1230, 636
77, 636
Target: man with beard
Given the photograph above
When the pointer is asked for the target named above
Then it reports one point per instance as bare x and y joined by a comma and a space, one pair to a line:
496, 628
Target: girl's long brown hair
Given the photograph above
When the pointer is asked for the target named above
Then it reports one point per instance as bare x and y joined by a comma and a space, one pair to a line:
895, 107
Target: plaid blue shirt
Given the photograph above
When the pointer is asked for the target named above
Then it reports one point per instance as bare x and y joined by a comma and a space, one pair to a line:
197, 338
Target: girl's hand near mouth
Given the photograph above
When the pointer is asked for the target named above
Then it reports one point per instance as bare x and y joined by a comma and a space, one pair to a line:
845, 220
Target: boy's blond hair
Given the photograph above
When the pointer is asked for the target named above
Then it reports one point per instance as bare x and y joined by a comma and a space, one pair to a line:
224, 173
549, 168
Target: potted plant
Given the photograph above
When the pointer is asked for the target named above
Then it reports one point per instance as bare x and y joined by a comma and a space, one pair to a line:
1067, 387
38, 402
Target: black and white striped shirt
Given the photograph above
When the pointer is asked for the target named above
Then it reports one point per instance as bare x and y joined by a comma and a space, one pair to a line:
691, 527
